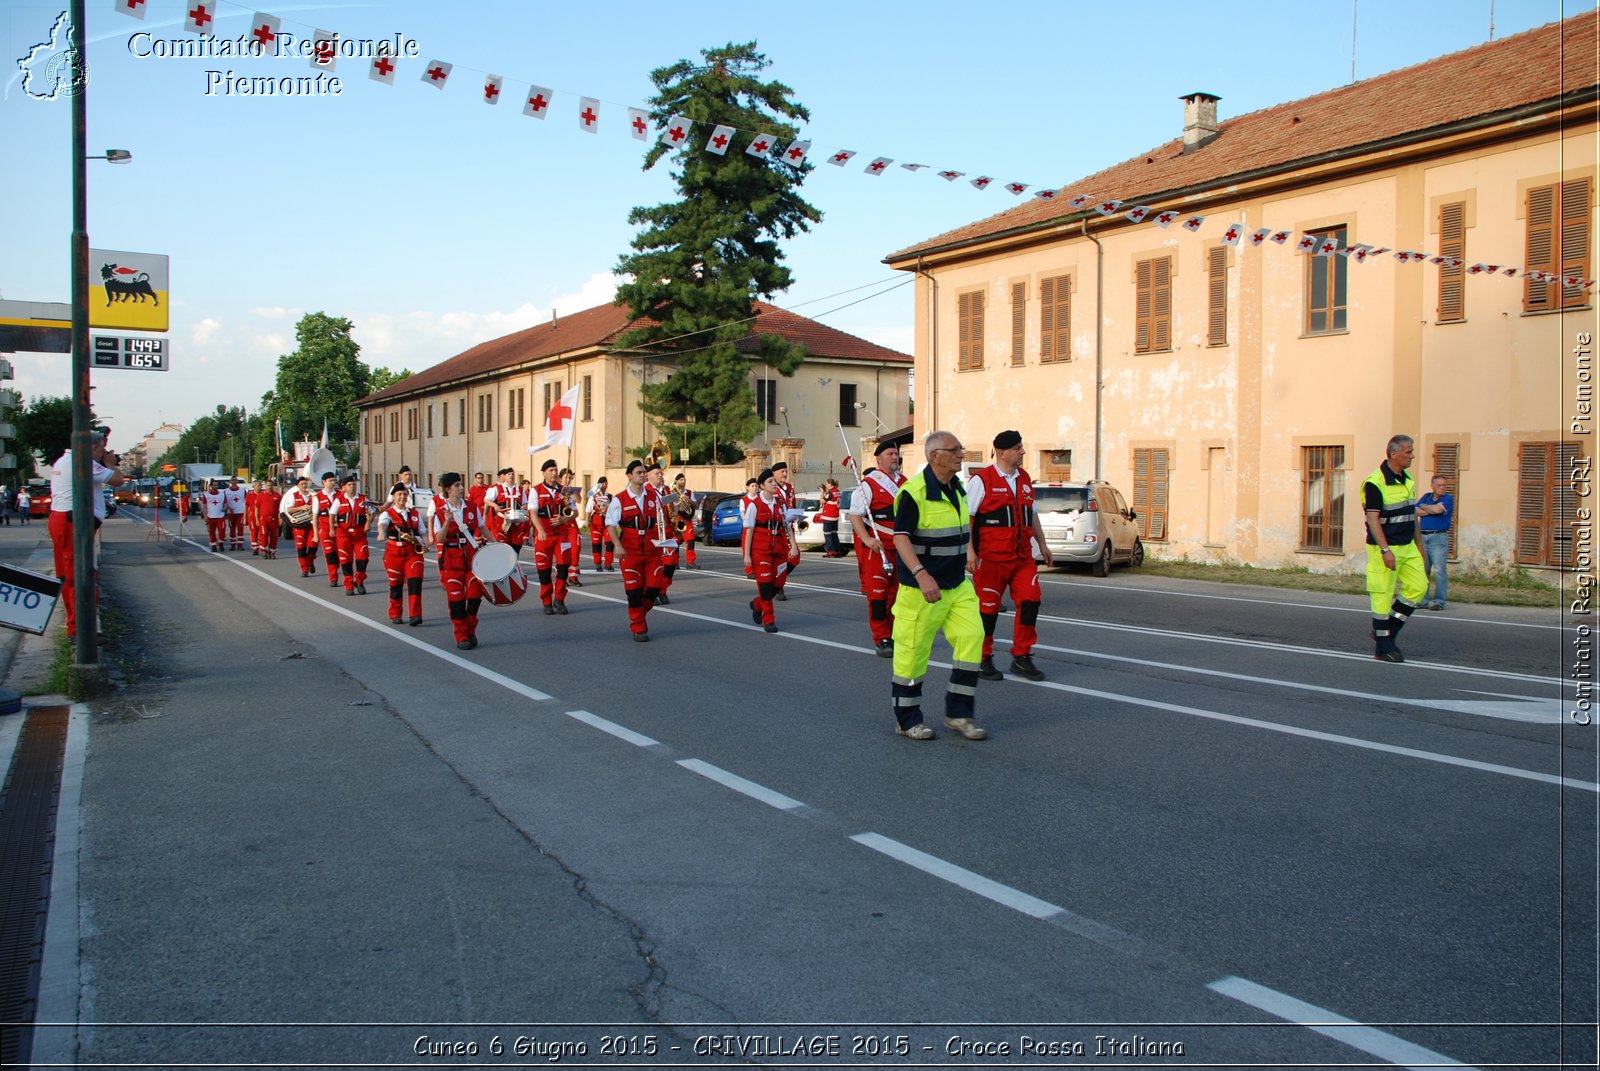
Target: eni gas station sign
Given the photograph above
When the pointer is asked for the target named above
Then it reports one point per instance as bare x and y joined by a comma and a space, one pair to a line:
131, 295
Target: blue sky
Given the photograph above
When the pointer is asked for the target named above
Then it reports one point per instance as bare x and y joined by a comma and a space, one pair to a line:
434, 222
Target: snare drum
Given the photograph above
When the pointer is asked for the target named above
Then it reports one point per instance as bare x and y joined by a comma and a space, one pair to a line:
497, 569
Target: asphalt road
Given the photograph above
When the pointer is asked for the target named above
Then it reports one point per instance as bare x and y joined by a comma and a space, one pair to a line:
1218, 826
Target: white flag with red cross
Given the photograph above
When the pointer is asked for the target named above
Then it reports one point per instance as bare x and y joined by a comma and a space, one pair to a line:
1232, 235
719, 140
878, 166
382, 69
588, 114
491, 88
1510, 273
676, 132
638, 124
795, 154
264, 32
913, 167
982, 182
1192, 224
1439, 262
1377, 251
131, 7
1079, 200
842, 157
1106, 208
951, 176
1307, 244
1327, 247
761, 147
199, 16
1016, 188
1165, 219
1045, 195
436, 73
1137, 213
1280, 237
558, 423
537, 103
1259, 236
324, 49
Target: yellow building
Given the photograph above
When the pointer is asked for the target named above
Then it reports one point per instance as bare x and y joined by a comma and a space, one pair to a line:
1237, 394
481, 410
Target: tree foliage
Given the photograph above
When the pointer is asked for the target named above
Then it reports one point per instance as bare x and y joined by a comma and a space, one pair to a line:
44, 428
225, 436
701, 262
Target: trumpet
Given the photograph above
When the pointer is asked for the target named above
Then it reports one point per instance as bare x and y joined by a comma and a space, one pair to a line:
410, 539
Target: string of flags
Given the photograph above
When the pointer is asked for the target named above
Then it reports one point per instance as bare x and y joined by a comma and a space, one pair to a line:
679, 132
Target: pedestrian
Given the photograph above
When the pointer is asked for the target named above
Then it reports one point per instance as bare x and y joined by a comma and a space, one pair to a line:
1436, 513
233, 500
829, 516
634, 518
1388, 497
214, 507
766, 548
24, 504
479, 488
931, 531
102, 473
457, 533
322, 517
5, 505
549, 552
402, 528
1004, 528
655, 481
296, 507
604, 550
872, 521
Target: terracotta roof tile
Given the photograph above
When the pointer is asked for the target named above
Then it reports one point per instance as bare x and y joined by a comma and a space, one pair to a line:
1539, 65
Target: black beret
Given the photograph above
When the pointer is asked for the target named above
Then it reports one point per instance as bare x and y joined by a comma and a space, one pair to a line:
327, 475
549, 463
887, 444
777, 465
405, 468
1007, 440
399, 487
449, 479
634, 464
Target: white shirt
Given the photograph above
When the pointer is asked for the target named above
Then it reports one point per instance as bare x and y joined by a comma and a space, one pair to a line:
61, 485
294, 499
747, 513
975, 488
234, 498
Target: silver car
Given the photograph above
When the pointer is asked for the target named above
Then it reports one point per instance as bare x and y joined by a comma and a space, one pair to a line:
1089, 523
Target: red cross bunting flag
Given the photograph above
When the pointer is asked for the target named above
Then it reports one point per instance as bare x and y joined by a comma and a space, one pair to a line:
1257, 237
264, 32
951, 176
588, 114
1307, 243
1192, 224
1137, 213
913, 167
761, 147
131, 7
982, 182
1360, 253
638, 124
1232, 235
1510, 273
1439, 262
719, 140
1327, 247
324, 49
537, 105
878, 166
1079, 200
382, 69
1280, 237
1377, 251
436, 73
491, 88
842, 157
1016, 188
1165, 219
1476, 269
676, 132
796, 153
558, 422
1106, 208
1045, 195
199, 16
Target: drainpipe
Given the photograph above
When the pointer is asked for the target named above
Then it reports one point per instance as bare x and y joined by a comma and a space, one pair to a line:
1099, 313
933, 348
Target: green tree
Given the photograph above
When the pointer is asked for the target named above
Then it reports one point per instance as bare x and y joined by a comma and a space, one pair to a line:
700, 262
381, 378
320, 380
44, 428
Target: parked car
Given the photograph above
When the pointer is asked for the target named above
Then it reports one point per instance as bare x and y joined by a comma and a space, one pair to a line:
39, 498
726, 529
810, 537
111, 501
1088, 523
705, 515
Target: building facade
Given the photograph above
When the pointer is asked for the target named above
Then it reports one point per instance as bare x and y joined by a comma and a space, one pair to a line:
1238, 393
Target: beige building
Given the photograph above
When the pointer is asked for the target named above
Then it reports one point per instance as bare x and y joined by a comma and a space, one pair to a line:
481, 410
1238, 394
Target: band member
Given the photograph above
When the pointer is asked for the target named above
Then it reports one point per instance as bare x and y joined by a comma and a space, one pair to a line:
655, 480
686, 510
633, 517
322, 517
790, 500
572, 534
457, 534
479, 488
350, 511
251, 527
214, 507
233, 499
267, 500
403, 530
872, 521
1004, 527
296, 508
421, 497
766, 548
600, 544
752, 490
501, 498
829, 518
549, 555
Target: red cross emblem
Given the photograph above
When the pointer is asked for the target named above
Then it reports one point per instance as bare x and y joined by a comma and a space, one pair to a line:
1231, 234
876, 165
263, 35
588, 116
134, 3
841, 157
948, 174
558, 414
200, 16
537, 102
795, 154
677, 133
1016, 187
720, 141
436, 73
383, 66
1047, 194
761, 145
638, 124
490, 91
324, 52
981, 182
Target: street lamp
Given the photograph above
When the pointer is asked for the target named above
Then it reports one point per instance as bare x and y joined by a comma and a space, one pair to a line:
783, 411
876, 422
115, 156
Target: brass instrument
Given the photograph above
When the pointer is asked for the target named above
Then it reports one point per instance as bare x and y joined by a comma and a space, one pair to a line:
299, 516
659, 451
410, 539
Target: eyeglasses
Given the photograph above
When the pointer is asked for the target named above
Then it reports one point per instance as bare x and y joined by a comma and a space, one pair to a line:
956, 449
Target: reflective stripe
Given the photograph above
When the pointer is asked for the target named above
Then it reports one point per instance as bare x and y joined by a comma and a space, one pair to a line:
938, 533
961, 689
941, 550
973, 666
908, 682
908, 700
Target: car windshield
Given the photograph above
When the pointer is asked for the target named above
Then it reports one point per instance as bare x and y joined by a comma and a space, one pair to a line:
1059, 499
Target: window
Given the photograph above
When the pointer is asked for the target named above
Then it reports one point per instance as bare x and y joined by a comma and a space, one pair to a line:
767, 400
1453, 243
1055, 319
413, 423
486, 412
1150, 492
1055, 466
847, 405
394, 427
969, 331
1327, 287
1546, 501
516, 408
1217, 296
430, 420
552, 395
1558, 241
1447, 463
1322, 498
1019, 320
444, 420
1152, 317
461, 414
588, 394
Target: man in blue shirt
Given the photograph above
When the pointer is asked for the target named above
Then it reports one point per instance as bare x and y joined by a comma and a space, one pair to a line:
1436, 511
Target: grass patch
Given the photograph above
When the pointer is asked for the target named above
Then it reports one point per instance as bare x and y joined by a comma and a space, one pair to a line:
1509, 587
55, 682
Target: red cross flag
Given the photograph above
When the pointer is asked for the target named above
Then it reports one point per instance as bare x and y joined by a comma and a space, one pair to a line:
1165, 219
1572, 280
1137, 213
1257, 237
1439, 262
913, 167
1307, 243
1016, 188
199, 15
982, 182
1106, 208
131, 7
719, 140
1280, 237
436, 73
1045, 195
1477, 269
878, 166
842, 157
1377, 252
588, 114
558, 422
264, 32
1510, 273
1192, 224
951, 176
1232, 235
1457, 262
638, 123
796, 153
324, 49
1079, 200
382, 69
491, 88
537, 104
1327, 247
761, 147
676, 132
1360, 253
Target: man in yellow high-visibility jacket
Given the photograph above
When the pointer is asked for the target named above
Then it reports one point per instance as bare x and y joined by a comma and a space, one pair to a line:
1388, 497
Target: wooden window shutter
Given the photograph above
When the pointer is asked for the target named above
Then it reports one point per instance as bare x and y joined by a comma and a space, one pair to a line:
1447, 463
1217, 296
1161, 305
1142, 320
1453, 243
969, 341
1574, 240
1019, 320
1540, 254
1141, 487
1047, 319
1154, 523
1533, 502
1055, 318
1564, 504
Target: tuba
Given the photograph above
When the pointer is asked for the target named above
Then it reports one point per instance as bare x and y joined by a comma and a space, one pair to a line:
659, 451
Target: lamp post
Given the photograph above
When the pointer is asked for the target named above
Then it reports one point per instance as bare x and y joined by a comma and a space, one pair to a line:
876, 422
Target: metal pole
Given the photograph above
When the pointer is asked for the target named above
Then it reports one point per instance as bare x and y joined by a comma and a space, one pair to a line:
86, 651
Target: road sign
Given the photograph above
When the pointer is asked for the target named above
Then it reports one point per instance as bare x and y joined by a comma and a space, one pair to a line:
26, 599
126, 351
132, 290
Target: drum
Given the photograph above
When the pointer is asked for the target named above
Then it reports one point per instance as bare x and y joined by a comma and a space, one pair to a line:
515, 516
497, 569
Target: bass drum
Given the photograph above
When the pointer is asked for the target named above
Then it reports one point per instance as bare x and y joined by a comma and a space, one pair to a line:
497, 569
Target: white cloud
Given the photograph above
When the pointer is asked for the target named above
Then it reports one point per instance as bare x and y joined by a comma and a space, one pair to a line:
203, 332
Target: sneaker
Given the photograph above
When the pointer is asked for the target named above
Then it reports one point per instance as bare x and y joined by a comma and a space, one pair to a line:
1436, 606
782, 597
770, 628
561, 607
967, 728
662, 600
885, 648
988, 672
549, 611
641, 637
463, 645
1390, 656
1022, 666
918, 731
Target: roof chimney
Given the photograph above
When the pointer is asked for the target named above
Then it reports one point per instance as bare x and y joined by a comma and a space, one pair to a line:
1199, 119
552, 318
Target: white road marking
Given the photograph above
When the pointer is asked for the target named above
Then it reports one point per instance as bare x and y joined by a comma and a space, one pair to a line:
1367, 1039
60, 980
619, 731
757, 792
987, 888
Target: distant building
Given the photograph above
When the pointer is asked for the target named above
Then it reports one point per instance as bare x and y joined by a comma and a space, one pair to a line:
1238, 395
158, 442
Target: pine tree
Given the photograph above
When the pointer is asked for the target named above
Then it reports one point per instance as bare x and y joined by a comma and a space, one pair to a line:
702, 261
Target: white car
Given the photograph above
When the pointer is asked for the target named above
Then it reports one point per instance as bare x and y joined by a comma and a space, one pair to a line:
1088, 523
810, 537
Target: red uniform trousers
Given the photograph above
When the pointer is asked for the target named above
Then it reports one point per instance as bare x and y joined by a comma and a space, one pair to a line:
404, 566
304, 551
574, 537
462, 590
330, 548
600, 543
61, 542
880, 587
688, 546
1021, 575
217, 532
641, 576
550, 556
236, 531
769, 564
351, 543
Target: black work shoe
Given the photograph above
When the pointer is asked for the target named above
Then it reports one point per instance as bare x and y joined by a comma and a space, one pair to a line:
350, 591
472, 641
561, 607
463, 645
549, 611
1390, 656
415, 621
885, 648
1022, 665
641, 637
770, 628
333, 583
574, 582
361, 587
662, 600
782, 597
755, 612
988, 672
396, 621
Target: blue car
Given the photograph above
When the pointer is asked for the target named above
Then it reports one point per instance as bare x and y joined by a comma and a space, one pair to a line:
726, 528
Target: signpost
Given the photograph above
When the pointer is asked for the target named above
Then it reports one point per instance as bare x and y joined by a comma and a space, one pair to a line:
123, 351
27, 599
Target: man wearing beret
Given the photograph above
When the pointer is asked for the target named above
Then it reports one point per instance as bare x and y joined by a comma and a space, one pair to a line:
1004, 527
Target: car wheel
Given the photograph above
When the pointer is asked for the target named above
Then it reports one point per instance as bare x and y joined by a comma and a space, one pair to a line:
1101, 566
1136, 559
